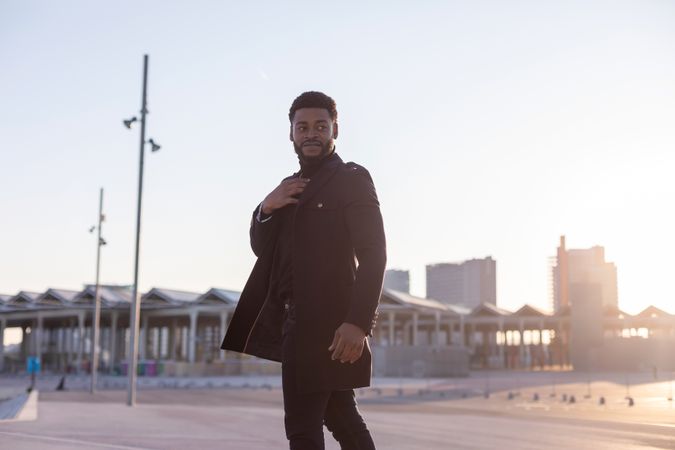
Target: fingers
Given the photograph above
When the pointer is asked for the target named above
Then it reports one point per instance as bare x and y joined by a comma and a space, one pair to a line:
284, 194
295, 190
339, 349
357, 355
345, 348
293, 187
348, 354
336, 338
295, 182
351, 352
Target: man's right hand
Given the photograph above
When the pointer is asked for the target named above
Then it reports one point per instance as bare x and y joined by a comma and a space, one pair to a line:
284, 194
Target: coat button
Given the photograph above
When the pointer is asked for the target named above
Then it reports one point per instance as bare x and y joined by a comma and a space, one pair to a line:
320, 205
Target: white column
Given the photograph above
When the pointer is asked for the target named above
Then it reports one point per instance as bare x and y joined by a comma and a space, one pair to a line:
437, 328
415, 328
521, 347
113, 340
462, 336
501, 347
451, 327
392, 328
223, 330
39, 337
542, 353
68, 336
59, 347
143, 341
173, 339
80, 342
3, 324
192, 339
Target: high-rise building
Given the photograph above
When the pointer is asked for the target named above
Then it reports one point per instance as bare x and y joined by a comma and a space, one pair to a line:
583, 266
468, 283
398, 280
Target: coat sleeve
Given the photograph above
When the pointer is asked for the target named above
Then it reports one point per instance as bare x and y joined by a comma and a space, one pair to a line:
262, 233
366, 232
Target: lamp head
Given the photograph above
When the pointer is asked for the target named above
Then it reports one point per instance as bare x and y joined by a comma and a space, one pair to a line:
153, 145
127, 123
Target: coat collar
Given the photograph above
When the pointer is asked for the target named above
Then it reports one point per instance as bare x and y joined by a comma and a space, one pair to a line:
320, 178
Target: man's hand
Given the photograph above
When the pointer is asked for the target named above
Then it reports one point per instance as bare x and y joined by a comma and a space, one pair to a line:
284, 194
347, 343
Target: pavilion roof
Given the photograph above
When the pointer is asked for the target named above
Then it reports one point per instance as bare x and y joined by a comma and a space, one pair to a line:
23, 299
529, 311
170, 296
219, 295
488, 309
652, 311
110, 294
405, 299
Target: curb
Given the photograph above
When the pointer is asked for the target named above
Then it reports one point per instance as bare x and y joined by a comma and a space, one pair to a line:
23, 407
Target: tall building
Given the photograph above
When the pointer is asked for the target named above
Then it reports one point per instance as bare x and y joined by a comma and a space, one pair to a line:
398, 280
468, 283
583, 266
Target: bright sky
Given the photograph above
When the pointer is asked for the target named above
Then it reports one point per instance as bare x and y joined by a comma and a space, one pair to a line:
490, 128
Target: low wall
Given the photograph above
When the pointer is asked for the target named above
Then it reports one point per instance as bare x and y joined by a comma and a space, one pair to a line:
634, 354
251, 366
420, 361
406, 361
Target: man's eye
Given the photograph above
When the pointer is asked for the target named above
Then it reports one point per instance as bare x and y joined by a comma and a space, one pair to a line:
321, 128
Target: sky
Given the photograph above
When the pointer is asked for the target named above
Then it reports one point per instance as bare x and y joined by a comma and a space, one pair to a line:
490, 129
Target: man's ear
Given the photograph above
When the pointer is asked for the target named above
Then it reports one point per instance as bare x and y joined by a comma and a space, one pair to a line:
290, 132
335, 130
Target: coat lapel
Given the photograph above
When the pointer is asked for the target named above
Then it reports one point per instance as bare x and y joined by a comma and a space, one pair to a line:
320, 178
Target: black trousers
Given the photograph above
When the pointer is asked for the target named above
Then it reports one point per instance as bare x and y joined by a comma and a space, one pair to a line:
306, 414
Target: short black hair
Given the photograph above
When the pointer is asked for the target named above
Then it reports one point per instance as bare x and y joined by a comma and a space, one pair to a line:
313, 99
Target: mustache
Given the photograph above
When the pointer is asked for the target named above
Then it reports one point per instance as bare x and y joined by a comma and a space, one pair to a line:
312, 143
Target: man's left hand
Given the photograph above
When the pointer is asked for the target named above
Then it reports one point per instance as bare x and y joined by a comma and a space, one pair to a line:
347, 343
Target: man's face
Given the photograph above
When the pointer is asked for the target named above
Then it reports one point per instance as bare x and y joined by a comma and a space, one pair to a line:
313, 133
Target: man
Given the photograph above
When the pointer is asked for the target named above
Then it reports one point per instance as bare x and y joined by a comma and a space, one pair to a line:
306, 303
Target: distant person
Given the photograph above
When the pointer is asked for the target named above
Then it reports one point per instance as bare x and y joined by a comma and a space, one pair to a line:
307, 304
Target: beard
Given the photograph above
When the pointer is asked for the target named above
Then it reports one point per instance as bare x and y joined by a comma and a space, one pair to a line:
326, 149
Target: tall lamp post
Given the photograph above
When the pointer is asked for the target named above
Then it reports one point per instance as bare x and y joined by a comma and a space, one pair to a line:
97, 296
135, 301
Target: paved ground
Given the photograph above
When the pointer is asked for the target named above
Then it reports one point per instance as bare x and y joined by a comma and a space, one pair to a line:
402, 414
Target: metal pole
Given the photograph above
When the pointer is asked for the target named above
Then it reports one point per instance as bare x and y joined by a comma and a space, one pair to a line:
97, 299
135, 301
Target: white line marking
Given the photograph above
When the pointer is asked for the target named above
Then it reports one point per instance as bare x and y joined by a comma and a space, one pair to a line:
71, 441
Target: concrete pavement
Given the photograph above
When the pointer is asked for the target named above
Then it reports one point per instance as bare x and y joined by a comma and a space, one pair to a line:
402, 414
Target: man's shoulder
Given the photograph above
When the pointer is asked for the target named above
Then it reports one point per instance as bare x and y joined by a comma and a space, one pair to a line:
353, 169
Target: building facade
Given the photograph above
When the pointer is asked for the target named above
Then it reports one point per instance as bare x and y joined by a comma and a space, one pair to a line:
583, 267
469, 283
398, 280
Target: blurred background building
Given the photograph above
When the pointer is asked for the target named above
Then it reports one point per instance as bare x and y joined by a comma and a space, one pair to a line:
469, 283
583, 266
462, 329
398, 280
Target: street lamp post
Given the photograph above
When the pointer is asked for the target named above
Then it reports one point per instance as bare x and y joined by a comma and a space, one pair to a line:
135, 300
97, 297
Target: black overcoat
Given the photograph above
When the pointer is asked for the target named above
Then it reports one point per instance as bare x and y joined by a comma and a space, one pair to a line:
338, 258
